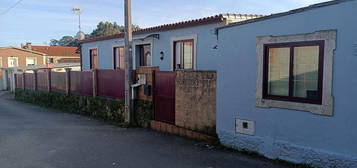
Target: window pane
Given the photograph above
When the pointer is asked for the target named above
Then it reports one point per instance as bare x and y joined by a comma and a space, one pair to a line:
121, 58
278, 74
30, 61
178, 52
147, 55
188, 55
306, 64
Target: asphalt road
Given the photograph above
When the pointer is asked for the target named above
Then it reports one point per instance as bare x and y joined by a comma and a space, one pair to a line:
34, 137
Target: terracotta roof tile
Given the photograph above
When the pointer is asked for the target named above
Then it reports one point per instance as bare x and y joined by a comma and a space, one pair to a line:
57, 50
195, 22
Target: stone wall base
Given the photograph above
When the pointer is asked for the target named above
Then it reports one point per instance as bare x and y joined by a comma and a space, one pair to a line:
277, 149
172, 129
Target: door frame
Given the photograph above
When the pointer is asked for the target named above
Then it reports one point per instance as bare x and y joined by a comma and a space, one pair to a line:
90, 57
134, 52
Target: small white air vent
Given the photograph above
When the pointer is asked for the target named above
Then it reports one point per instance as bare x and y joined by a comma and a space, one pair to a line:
245, 127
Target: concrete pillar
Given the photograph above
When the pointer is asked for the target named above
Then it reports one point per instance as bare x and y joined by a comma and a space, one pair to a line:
48, 79
7, 80
68, 80
95, 82
23, 80
35, 79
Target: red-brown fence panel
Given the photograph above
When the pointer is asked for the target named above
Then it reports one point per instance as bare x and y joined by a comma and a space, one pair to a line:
29, 80
81, 83
111, 83
19, 83
58, 81
164, 97
42, 81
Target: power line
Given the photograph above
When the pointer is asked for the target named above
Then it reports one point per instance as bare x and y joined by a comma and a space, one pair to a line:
11, 7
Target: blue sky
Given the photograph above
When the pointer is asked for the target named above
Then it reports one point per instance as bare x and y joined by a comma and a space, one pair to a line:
39, 21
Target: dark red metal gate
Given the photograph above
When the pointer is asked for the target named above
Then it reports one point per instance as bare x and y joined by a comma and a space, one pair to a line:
164, 97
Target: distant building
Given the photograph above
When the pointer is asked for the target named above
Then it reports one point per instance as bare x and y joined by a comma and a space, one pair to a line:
18, 57
56, 54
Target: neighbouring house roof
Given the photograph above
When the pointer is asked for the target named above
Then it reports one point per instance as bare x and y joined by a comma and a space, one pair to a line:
57, 50
221, 18
69, 60
25, 50
294, 11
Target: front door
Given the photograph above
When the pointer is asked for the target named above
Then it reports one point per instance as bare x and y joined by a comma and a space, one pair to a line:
164, 96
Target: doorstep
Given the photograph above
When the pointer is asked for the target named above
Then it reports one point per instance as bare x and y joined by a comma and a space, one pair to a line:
172, 129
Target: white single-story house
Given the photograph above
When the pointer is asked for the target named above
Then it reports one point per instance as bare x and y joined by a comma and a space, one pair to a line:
184, 45
287, 84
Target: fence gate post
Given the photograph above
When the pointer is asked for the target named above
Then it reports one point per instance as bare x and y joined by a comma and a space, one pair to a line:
68, 80
49, 79
95, 82
15, 81
35, 79
23, 79
7, 80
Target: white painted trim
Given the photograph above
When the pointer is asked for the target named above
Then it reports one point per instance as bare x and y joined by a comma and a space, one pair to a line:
190, 37
17, 61
30, 58
98, 56
329, 36
140, 42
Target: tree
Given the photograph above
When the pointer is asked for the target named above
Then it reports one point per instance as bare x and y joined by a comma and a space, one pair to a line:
65, 41
108, 28
103, 29
54, 42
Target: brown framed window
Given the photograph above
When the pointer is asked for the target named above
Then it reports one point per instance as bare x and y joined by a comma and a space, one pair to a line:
184, 54
293, 71
144, 54
93, 55
119, 57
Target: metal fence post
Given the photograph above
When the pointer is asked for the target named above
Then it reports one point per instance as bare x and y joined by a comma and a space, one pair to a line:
95, 82
68, 80
23, 80
35, 79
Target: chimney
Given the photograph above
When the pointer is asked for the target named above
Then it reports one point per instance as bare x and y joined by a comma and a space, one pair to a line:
28, 46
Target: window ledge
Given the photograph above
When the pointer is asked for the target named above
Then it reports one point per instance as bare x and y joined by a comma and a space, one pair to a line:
326, 109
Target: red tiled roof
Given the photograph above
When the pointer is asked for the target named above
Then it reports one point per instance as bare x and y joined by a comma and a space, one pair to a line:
196, 22
57, 50
69, 60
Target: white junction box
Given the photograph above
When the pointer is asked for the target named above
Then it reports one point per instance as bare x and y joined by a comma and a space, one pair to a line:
245, 127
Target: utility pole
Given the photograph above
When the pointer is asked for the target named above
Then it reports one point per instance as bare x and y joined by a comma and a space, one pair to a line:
128, 62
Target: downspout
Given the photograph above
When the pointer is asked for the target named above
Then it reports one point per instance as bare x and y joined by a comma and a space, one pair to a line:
80, 57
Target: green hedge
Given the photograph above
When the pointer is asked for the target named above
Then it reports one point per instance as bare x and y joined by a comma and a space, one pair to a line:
99, 108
